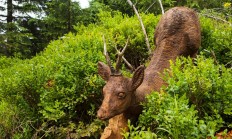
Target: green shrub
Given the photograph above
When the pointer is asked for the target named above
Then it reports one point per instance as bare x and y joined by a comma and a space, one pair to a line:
117, 28
217, 38
195, 104
138, 133
8, 62
61, 85
14, 123
172, 117
207, 85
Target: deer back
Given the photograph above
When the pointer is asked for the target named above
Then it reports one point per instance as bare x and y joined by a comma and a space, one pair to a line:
177, 34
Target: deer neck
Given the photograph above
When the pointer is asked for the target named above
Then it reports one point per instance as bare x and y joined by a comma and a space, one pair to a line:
153, 73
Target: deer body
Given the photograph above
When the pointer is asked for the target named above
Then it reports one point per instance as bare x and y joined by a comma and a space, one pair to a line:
177, 34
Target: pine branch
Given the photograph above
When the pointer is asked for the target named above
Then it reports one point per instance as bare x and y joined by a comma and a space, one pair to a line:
2, 8
2, 20
3, 15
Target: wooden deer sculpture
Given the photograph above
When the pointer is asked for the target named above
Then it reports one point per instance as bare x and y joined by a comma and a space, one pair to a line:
177, 34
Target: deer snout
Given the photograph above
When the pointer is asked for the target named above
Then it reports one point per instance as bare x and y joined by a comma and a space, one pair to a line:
102, 114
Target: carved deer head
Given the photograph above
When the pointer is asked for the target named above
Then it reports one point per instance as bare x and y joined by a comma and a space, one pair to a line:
119, 91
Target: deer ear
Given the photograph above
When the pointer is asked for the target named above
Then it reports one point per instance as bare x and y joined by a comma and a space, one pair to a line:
104, 71
138, 77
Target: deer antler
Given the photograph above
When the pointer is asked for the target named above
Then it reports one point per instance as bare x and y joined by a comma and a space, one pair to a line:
128, 64
107, 56
120, 57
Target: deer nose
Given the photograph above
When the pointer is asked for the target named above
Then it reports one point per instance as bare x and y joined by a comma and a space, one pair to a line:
101, 114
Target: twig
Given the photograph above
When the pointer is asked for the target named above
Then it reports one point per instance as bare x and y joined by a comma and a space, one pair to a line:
214, 57
150, 6
161, 6
216, 18
142, 25
228, 64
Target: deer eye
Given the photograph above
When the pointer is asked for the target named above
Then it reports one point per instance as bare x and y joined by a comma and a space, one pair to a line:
121, 94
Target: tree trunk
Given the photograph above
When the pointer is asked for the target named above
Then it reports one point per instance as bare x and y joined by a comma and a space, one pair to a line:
9, 11
69, 15
9, 19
